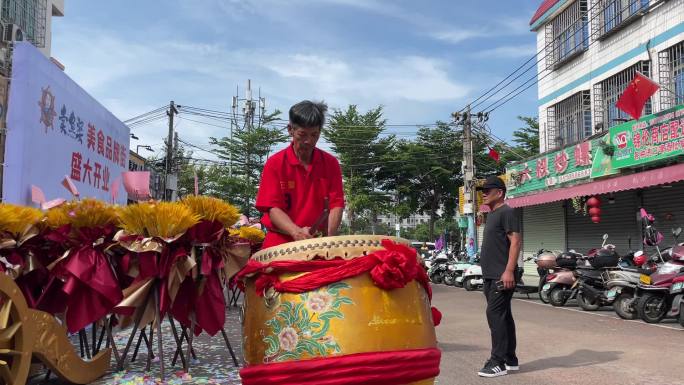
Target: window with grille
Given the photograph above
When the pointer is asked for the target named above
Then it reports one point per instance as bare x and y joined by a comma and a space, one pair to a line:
569, 121
607, 92
567, 35
612, 15
671, 69
29, 15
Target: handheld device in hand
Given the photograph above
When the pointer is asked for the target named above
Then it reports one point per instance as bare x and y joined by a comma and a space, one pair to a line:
500, 286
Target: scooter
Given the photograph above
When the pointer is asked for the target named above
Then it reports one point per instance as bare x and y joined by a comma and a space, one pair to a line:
463, 264
622, 283
677, 291
472, 279
472, 276
560, 278
545, 260
654, 300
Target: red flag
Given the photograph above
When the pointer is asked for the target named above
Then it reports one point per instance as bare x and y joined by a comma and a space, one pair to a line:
635, 96
494, 154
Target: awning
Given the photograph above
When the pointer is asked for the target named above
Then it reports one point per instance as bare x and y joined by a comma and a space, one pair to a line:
643, 179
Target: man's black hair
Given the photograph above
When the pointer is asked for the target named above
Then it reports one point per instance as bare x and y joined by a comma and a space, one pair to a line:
308, 114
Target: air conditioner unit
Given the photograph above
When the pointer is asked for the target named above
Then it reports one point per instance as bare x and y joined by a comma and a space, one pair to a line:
12, 32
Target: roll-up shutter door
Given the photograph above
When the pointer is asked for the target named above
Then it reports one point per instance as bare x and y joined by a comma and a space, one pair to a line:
666, 204
543, 226
618, 220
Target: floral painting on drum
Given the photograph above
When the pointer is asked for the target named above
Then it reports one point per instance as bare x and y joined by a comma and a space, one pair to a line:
300, 329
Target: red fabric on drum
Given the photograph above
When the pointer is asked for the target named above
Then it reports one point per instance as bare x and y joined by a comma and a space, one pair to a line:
373, 368
391, 268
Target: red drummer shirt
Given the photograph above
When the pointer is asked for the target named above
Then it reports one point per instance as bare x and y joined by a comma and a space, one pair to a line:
298, 190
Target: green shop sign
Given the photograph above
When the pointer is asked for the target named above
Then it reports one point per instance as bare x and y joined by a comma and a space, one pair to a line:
650, 139
552, 170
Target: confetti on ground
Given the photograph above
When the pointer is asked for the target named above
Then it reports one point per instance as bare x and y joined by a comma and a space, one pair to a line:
213, 366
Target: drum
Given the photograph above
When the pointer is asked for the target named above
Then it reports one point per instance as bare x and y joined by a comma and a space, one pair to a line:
350, 331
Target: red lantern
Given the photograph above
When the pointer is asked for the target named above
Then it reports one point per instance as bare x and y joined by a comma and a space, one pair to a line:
595, 211
593, 202
596, 219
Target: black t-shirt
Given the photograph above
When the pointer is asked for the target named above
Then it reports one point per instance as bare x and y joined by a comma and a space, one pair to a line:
495, 246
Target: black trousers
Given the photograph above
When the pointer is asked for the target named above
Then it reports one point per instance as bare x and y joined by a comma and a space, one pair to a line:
501, 323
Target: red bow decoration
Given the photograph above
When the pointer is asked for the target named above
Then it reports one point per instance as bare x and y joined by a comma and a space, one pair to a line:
391, 268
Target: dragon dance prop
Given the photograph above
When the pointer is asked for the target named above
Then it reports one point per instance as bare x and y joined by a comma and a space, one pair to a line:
338, 310
89, 263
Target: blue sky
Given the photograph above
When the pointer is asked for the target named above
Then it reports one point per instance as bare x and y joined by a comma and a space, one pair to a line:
421, 60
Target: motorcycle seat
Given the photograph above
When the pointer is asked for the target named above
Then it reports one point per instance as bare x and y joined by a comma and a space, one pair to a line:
572, 254
638, 270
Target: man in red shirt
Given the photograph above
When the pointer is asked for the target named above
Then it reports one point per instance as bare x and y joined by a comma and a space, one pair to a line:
297, 181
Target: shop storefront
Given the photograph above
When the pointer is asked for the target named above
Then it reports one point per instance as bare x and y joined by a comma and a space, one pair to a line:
636, 164
545, 223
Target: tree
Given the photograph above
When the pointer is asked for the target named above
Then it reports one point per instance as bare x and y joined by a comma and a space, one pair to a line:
424, 174
248, 149
527, 145
527, 137
355, 138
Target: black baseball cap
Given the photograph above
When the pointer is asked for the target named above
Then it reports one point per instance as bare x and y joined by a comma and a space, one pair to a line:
493, 182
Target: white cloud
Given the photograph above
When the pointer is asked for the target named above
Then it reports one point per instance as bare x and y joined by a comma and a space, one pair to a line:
412, 78
456, 36
507, 52
131, 77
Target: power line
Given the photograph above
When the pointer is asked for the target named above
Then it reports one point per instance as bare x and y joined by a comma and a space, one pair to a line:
544, 51
143, 115
148, 119
537, 79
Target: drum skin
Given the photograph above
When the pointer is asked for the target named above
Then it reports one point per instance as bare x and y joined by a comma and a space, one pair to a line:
345, 317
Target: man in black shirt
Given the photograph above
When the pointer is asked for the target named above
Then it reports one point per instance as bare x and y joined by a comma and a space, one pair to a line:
499, 259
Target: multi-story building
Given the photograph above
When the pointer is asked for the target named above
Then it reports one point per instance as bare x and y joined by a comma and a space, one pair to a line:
588, 52
406, 223
30, 20
22, 20
139, 163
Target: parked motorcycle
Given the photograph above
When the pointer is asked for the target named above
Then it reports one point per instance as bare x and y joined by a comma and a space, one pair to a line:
622, 283
655, 301
591, 280
451, 273
438, 268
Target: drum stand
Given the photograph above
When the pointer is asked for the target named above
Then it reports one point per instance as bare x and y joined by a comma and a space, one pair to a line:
187, 335
153, 295
234, 296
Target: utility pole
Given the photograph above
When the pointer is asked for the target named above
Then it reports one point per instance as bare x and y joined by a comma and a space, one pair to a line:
168, 170
233, 125
469, 208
